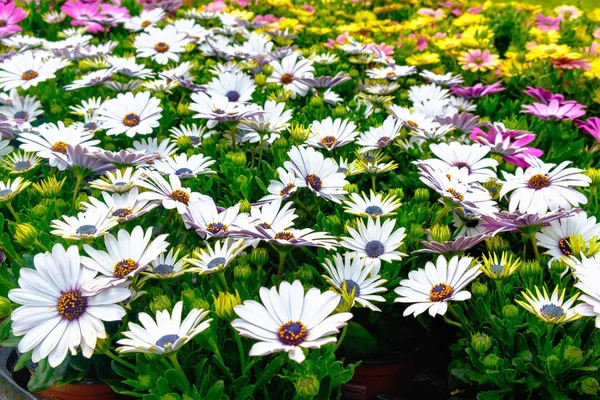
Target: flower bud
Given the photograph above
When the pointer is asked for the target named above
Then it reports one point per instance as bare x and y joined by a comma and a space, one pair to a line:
441, 233
496, 244
200, 304
238, 158
398, 192
510, 168
272, 86
245, 206
304, 273
280, 143
352, 104
479, 289
242, 272
351, 188
481, 342
183, 109
594, 175
498, 157
510, 312
5, 307
492, 361
590, 386
160, 303
553, 363
39, 210
530, 269
267, 69
573, 355
307, 387
298, 133
224, 304
415, 232
260, 79
25, 234
334, 222
353, 73
421, 195
339, 111
259, 256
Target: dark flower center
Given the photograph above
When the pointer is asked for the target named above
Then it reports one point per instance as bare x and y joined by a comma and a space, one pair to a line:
563, 245
462, 165
471, 223
124, 268
121, 212
455, 194
440, 292
374, 210
216, 263
163, 269
216, 227
145, 23
539, 181
131, 120
183, 172
22, 165
552, 311
22, 115
478, 60
86, 230
71, 305
29, 75
292, 333
328, 141
167, 340
314, 181
233, 96
383, 141
2, 23
342, 170
59, 147
265, 225
374, 249
286, 190
195, 140
91, 126
287, 79
180, 196
497, 268
350, 285
5, 193
161, 47
284, 235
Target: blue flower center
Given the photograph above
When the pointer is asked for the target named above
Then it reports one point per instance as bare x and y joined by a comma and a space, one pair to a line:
350, 285
374, 210
383, 141
374, 248
86, 230
166, 340
216, 262
91, 126
183, 172
292, 333
314, 181
5, 192
121, 212
195, 140
216, 227
342, 170
22, 165
552, 311
233, 95
21, 115
71, 305
120, 184
163, 269
497, 268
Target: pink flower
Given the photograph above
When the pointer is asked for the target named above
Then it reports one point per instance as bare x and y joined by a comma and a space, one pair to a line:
569, 63
554, 109
477, 60
422, 43
215, 6
9, 17
547, 23
114, 13
475, 10
339, 40
85, 15
265, 19
243, 3
596, 33
591, 126
512, 144
308, 8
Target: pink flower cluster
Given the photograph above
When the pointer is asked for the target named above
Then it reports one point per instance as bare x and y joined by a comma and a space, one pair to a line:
512, 144
9, 18
552, 105
97, 16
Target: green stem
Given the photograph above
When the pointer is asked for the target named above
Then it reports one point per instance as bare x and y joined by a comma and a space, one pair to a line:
536, 252
260, 153
461, 321
451, 322
12, 211
119, 360
300, 204
440, 215
373, 185
77, 187
241, 352
166, 223
40, 246
221, 276
282, 257
341, 339
233, 138
173, 358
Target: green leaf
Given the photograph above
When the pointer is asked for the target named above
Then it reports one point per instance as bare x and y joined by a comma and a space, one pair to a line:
178, 380
23, 360
45, 376
245, 392
216, 391
270, 371
162, 385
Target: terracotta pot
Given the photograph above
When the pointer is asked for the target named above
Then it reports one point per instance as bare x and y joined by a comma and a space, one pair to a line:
84, 391
373, 378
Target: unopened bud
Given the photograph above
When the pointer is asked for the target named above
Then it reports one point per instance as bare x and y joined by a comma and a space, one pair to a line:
316, 102
160, 303
481, 342
510, 312
479, 289
307, 387
5, 307
242, 272
25, 234
441, 233
590, 386
421, 195
224, 304
259, 256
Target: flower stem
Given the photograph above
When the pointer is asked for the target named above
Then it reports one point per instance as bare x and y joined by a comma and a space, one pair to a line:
166, 223
12, 211
373, 183
441, 215
221, 275
463, 324
77, 187
240, 347
341, 339
260, 154
300, 204
282, 257
118, 359
173, 359
233, 138
536, 252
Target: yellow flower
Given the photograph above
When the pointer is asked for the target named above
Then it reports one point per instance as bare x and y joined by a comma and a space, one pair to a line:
364, 17
545, 51
387, 9
319, 31
593, 15
499, 268
530, 8
477, 36
242, 14
447, 43
594, 71
279, 3
469, 19
350, 28
425, 58
288, 23
544, 37
552, 309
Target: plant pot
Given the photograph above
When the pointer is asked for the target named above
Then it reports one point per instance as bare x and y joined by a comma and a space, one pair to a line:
13, 385
375, 377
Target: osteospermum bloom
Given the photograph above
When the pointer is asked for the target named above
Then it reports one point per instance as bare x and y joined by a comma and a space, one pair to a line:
237, 87
553, 309
209, 260
502, 267
146, 20
130, 114
127, 255
10, 189
375, 242
477, 60
119, 181
20, 162
168, 334
57, 315
289, 320
167, 266
433, 287
26, 70
544, 187
353, 275
555, 109
381, 136
170, 193
184, 167
373, 205
124, 207
9, 17
470, 157
93, 223
329, 134
209, 220
320, 174
289, 70
163, 45
217, 108
283, 188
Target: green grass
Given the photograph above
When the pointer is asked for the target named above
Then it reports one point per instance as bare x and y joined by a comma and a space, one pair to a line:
582, 4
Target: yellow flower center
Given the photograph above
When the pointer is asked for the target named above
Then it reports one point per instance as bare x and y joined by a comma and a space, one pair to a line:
539, 181
124, 268
59, 147
161, 47
441, 292
180, 196
455, 194
131, 120
71, 305
29, 75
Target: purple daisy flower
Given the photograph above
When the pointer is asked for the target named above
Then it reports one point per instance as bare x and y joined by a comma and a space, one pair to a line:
461, 243
476, 91
567, 110
464, 122
543, 96
591, 126
506, 221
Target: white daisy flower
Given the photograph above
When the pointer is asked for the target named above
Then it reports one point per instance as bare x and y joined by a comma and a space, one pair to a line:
432, 287
167, 335
391, 72
10, 189
57, 315
237, 87
553, 309
130, 114
146, 20
588, 275
329, 134
544, 187
125, 207
272, 216
17, 162
170, 193
442, 80
91, 224
269, 124
324, 58
290, 320
118, 181
151, 146
193, 132
218, 108
556, 237
127, 255
184, 167
128, 66
91, 79
88, 107
468, 222
381, 136
28, 69
283, 188
21, 111
471, 157
161, 44
374, 205
289, 70
209, 220
375, 242
209, 260
427, 93
167, 266
319, 174
352, 274
298, 238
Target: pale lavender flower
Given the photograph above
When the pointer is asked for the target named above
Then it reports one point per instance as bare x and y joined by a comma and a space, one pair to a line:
476, 91
461, 243
125, 158
506, 221
323, 82
555, 109
464, 122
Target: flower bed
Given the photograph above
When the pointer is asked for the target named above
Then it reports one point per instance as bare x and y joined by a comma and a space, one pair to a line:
277, 200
